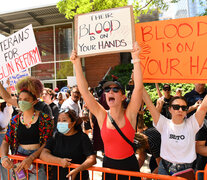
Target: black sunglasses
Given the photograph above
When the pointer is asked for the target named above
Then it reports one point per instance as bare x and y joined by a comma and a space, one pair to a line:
177, 107
166, 89
114, 89
64, 110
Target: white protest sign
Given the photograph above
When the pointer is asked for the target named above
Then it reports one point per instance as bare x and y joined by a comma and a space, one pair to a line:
18, 52
71, 81
104, 32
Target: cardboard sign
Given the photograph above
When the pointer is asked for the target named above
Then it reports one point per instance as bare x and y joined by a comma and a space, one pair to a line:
104, 32
174, 51
18, 52
71, 80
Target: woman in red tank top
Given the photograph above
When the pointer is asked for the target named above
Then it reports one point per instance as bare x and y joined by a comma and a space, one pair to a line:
118, 153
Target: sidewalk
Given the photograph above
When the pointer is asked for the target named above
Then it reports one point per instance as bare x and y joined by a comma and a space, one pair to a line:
99, 159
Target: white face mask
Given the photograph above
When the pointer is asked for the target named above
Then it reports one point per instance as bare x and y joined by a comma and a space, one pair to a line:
63, 128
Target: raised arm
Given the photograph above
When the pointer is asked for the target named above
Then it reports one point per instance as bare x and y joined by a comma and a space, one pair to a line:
135, 102
153, 111
92, 104
201, 111
158, 90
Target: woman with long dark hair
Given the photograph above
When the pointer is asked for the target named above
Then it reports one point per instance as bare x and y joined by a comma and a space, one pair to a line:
69, 145
118, 153
177, 134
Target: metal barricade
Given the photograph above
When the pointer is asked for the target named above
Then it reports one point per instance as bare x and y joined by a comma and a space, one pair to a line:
93, 170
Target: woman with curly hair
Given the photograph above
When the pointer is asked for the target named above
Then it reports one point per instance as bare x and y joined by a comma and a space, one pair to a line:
69, 145
29, 83
37, 127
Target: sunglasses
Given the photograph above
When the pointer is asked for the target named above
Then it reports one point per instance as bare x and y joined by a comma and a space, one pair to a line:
166, 89
177, 107
114, 89
64, 110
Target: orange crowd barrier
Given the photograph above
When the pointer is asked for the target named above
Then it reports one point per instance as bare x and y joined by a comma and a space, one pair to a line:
94, 170
204, 172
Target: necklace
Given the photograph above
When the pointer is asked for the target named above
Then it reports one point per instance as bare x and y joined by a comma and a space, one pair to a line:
28, 125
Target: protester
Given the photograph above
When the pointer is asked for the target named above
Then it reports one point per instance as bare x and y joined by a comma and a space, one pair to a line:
72, 101
6, 111
61, 97
38, 104
178, 92
29, 130
195, 97
163, 102
118, 153
69, 145
201, 149
177, 135
48, 96
150, 141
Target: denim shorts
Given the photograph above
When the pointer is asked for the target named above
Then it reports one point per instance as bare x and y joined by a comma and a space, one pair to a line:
41, 170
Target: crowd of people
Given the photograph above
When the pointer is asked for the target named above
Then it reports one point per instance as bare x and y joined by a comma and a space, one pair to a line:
54, 126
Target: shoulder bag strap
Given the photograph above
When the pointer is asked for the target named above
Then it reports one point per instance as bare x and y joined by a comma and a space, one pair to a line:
119, 131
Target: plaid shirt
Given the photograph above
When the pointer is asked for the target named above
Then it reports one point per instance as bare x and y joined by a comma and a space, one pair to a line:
45, 131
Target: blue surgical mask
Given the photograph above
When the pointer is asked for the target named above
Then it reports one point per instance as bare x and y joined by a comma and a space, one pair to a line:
24, 105
62, 127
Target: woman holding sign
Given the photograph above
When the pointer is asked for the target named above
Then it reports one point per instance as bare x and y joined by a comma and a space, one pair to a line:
118, 153
177, 134
27, 131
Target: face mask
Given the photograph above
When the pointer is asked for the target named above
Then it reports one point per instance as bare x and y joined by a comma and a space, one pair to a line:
62, 127
24, 105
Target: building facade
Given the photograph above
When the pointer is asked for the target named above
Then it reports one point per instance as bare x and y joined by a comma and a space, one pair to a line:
55, 38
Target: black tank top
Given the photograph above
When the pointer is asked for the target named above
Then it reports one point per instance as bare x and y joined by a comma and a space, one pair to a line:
28, 135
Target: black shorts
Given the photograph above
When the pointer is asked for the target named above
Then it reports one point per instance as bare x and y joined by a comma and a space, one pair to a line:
129, 164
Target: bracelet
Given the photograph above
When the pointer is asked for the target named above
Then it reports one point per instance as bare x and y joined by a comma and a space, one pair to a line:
32, 156
4, 157
136, 61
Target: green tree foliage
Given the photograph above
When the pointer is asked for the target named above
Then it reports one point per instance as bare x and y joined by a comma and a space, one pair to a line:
65, 69
70, 8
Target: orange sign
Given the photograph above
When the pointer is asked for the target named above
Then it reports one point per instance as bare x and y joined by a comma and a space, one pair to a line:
174, 51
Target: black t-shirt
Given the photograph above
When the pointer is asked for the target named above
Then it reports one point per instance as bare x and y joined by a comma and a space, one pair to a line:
165, 108
154, 140
202, 136
55, 113
43, 107
76, 147
192, 97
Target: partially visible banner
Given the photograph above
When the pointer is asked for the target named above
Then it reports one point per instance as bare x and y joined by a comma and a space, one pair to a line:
173, 51
18, 52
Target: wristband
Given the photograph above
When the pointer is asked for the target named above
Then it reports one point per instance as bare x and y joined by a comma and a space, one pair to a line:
136, 61
32, 156
4, 157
